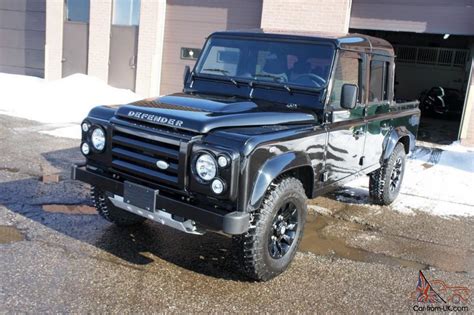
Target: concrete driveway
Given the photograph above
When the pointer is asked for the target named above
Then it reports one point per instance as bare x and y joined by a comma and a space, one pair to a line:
57, 255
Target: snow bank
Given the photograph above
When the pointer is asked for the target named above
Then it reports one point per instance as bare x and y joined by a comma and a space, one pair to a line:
437, 180
67, 100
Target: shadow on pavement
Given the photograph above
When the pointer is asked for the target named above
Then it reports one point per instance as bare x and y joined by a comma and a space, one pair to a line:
209, 254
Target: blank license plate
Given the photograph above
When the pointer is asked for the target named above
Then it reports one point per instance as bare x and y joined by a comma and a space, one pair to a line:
139, 196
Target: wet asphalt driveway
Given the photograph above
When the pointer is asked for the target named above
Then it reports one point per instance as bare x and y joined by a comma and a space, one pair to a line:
58, 256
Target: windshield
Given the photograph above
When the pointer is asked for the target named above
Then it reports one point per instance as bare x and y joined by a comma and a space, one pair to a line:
290, 63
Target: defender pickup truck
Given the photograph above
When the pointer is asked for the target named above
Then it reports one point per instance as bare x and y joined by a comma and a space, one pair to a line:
265, 121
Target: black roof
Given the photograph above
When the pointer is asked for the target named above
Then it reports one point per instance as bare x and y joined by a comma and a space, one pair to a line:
359, 42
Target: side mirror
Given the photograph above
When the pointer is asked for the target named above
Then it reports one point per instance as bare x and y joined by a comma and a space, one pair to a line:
349, 96
186, 74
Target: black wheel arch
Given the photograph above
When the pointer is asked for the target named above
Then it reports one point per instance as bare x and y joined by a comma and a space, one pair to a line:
294, 164
395, 136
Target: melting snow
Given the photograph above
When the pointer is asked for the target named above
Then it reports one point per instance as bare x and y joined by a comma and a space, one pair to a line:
437, 180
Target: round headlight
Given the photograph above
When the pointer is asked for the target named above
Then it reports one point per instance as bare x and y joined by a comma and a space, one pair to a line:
217, 186
222, 161
206, 167
98, 139
85, 127
85, 149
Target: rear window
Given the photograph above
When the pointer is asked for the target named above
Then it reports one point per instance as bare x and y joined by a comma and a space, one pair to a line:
378, 85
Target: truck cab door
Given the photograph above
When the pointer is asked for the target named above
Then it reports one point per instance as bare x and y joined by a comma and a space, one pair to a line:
346, 127
379, 97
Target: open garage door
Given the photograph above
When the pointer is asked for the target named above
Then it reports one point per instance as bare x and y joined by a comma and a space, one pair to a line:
421, 68
434, 69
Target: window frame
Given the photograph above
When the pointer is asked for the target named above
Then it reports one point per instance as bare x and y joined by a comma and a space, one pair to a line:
387, 74
114, 7
66, 12
361, 84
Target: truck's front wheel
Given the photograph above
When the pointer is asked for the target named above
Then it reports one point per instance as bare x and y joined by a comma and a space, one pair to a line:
269, 246
108, 211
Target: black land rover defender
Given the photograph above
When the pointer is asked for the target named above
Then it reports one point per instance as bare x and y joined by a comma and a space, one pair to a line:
265, 121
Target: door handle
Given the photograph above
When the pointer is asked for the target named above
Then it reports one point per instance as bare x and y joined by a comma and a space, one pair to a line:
384, 127
132, 62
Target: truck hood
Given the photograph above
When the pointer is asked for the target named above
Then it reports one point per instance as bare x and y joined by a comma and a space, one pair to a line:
201, 114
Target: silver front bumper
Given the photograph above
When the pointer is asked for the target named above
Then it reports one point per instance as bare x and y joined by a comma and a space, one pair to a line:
165, 218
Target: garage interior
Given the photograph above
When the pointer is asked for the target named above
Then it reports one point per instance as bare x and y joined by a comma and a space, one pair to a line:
425, 62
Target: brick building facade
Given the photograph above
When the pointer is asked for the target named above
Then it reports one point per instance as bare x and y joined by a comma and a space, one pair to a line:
160, 37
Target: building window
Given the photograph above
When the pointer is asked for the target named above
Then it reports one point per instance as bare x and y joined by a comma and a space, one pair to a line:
77, 10
126, 12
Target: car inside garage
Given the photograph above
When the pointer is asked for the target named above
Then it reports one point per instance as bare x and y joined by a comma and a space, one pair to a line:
433, 57
434, 69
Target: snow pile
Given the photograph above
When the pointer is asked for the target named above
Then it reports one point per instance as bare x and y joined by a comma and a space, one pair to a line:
437, 180
63, 101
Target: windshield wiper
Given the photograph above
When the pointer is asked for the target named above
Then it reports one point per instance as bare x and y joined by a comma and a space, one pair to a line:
225, 73
275, 78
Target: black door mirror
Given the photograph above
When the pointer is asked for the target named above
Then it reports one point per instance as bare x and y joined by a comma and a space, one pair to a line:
186, 74
349, 96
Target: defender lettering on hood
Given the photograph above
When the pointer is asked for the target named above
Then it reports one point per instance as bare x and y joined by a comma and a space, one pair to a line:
197, 114
155, 118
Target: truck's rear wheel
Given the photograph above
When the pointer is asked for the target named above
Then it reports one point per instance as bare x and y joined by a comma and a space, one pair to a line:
385, 183
270, 245
108, 211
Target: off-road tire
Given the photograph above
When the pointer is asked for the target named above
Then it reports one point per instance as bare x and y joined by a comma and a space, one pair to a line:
252, 248
380, 180
108, 211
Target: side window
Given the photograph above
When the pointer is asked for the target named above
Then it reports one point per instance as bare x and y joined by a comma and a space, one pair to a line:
126, 12
347, 72
77, 10
379, 78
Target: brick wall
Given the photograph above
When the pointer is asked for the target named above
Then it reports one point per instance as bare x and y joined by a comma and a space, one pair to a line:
54, 39
99, 38
150, 47
305, 15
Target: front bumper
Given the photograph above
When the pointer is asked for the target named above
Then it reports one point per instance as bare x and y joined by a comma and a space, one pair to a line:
233, 223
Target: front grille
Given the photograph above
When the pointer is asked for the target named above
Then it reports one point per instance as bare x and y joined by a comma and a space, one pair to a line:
136, 154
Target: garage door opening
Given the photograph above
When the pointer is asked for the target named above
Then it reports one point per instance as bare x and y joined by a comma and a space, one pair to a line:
434, 69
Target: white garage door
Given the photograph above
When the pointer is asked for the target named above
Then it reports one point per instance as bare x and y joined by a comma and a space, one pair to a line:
188, 23
22, 36
421, 16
